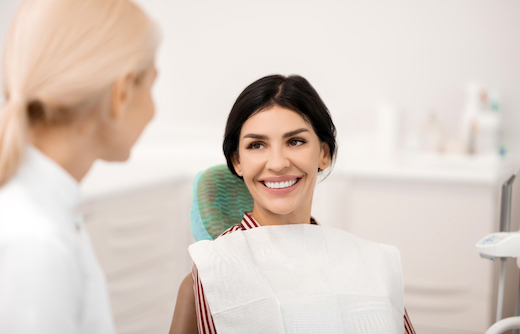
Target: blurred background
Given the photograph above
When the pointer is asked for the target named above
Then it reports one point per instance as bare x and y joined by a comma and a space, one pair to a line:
425, 96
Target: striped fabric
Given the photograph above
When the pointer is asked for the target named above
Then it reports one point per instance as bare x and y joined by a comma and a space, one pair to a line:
204, 318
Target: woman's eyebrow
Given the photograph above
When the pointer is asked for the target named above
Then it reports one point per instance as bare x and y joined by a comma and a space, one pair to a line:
287, 135
295, 132
255, 136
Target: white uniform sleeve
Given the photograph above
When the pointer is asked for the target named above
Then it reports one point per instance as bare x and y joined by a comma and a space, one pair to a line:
39, 289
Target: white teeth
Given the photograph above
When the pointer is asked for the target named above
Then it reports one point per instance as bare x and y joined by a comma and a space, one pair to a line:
279, 185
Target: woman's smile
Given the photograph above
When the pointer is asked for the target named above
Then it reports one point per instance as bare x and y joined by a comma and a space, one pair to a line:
280, 185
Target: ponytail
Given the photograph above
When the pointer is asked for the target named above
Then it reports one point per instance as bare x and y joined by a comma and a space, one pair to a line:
62, 56
13, 136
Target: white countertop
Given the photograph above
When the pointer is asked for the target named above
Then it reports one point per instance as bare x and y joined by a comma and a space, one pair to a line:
149, 165
460, 169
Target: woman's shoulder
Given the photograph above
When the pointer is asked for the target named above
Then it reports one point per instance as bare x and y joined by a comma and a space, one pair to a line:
34, 246
247, 223
21, 219
234, 228
15, 203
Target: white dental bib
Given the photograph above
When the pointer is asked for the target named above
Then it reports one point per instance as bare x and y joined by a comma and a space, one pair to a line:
303, 278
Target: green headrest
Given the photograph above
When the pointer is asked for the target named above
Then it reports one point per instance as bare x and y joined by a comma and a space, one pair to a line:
219, 202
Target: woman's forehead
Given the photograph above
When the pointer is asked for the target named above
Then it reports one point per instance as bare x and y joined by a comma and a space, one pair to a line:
274, 120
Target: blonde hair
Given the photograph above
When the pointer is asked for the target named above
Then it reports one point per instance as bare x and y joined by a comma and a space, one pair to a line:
61, 58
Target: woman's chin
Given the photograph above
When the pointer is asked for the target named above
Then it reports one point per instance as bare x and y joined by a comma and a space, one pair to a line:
119, 156
282, 208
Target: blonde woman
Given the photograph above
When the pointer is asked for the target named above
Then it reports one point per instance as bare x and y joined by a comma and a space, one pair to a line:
77, 76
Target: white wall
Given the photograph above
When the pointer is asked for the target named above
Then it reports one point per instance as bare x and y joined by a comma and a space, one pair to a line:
7, 8
416, 55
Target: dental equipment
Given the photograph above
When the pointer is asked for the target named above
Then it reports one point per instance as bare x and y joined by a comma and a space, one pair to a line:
502, 245
505, 207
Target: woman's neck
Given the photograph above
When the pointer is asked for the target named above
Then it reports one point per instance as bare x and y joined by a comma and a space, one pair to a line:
69, 146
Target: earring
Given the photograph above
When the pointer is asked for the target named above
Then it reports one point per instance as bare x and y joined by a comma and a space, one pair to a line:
324, 164
240, 171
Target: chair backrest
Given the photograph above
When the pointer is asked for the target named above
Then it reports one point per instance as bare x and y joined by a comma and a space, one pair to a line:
219, 202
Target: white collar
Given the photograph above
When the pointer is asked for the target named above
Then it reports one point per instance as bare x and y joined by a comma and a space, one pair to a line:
49, 185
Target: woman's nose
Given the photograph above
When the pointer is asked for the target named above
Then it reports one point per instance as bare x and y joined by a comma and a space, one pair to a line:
278, 160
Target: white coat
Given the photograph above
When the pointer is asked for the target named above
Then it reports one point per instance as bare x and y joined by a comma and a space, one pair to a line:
50, 280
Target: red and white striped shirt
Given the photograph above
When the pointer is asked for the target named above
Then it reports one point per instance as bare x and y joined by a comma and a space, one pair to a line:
204, 317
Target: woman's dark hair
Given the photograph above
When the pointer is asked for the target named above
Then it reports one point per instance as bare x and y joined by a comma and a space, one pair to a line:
294, 93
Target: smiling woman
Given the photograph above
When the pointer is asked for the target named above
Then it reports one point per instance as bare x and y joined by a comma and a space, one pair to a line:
278, 271
279, 167
278, 134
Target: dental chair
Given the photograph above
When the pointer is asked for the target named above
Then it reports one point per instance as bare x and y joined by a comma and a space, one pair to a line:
219, 202
502, 245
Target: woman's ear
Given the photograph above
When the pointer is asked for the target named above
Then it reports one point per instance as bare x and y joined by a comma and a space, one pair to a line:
121, 90
235, 160
325, 156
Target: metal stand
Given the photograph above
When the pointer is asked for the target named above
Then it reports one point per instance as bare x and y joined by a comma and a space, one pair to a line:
513, 323
517, 309
501, 285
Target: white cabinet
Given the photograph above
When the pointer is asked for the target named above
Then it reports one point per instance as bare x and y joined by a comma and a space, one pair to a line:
141, 239
435, 224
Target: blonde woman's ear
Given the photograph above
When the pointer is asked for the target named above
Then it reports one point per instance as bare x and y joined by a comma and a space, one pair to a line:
121, 90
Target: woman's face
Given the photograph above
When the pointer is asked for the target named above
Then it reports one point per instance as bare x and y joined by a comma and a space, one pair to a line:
137, 110
278, 156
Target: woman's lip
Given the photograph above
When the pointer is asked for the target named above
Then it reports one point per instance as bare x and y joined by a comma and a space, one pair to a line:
280, 178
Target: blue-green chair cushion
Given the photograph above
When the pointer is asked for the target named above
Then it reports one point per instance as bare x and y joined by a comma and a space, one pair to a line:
219, 202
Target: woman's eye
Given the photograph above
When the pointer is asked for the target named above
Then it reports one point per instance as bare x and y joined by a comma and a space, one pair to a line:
255, 146
295, 142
